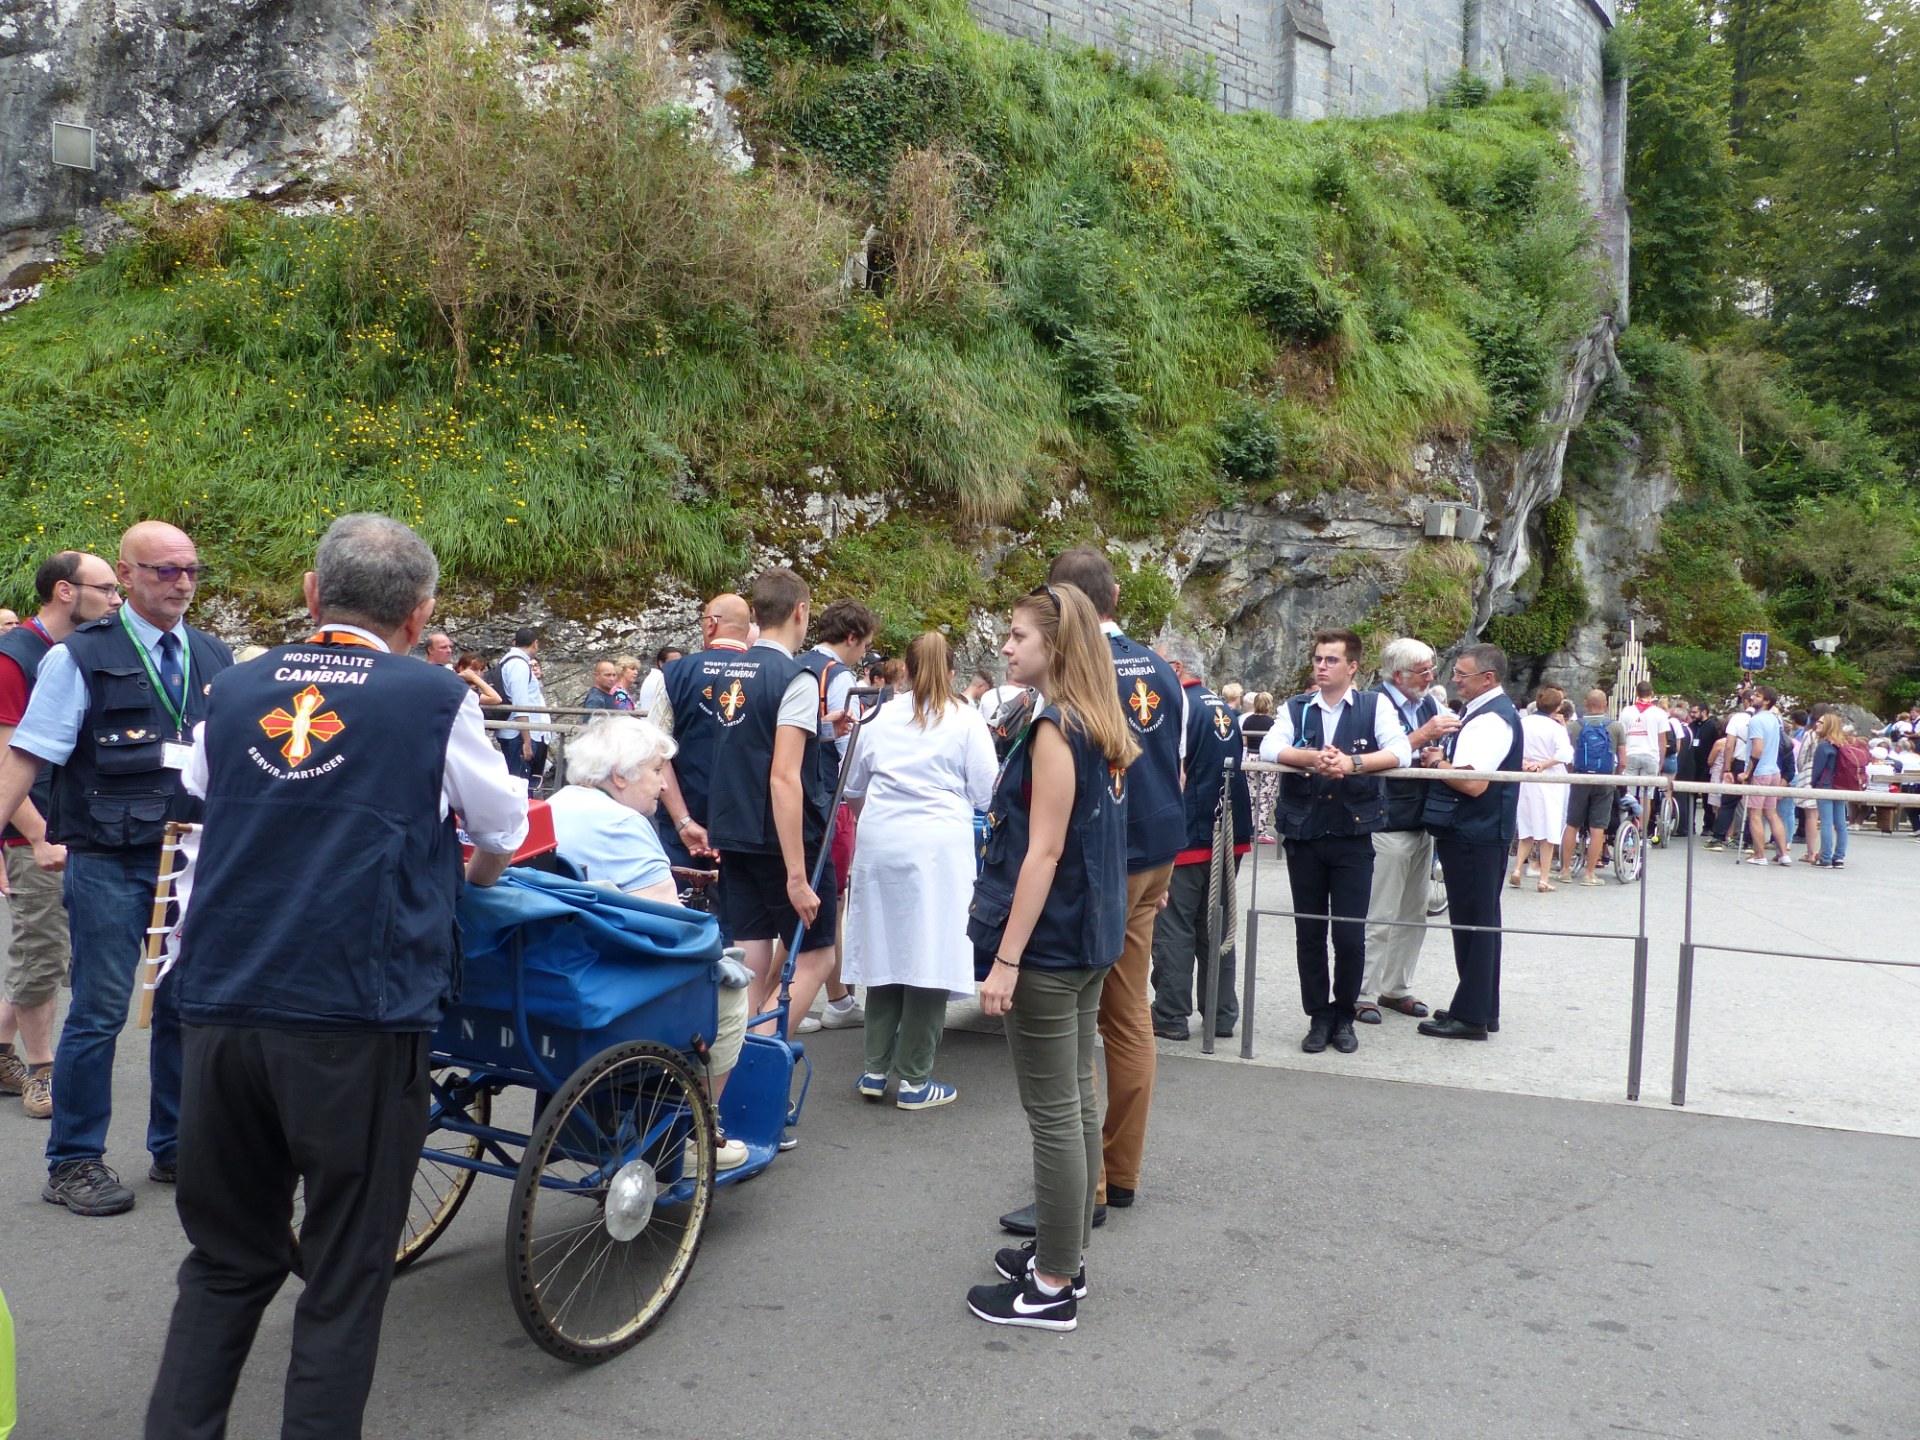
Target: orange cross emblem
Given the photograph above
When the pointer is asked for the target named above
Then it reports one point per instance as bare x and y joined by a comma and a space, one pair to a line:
1143, 703
1222, 723
732, 701
304, 728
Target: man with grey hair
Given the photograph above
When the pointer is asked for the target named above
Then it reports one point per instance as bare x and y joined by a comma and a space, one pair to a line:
1403, 850
317, 957
1181, 957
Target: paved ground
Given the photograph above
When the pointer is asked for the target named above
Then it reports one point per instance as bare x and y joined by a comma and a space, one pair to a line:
1320, 1248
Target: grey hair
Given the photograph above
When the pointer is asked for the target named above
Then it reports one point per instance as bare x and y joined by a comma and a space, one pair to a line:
1488, 657
1180, 650
616, 745
373, 568
1404, 656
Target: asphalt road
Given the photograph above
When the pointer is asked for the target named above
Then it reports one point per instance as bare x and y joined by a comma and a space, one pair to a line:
1312, 1254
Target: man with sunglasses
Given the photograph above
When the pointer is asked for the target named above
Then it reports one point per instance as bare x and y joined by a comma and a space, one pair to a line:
74, 590
112, 712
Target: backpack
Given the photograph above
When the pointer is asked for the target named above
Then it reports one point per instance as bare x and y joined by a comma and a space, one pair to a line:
1850, 766
1009, 721
497, 683
1594, 754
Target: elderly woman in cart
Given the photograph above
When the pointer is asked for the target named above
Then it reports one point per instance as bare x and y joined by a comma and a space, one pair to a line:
602, 826
924, 764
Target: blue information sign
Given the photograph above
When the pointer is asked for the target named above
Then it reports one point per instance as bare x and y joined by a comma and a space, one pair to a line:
1753, 650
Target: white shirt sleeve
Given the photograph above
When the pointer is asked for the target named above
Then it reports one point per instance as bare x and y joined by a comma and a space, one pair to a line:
839, 686
800, 706
492, 804
1183, 724
1280, 736
1481, 743
982, 767
1388, 733
859, 772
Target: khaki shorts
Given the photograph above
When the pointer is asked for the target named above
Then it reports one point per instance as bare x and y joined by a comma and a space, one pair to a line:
1765, 804
35, 944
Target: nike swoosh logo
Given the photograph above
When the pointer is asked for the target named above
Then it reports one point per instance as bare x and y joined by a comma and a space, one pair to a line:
1021, 1307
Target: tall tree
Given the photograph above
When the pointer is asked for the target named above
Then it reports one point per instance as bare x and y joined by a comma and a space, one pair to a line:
1766, 43
1680, 180
1848, 297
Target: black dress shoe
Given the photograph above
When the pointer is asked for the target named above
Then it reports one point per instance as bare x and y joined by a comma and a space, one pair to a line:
1021, 1221
1493, 1026
1450, 1029
1344, 1040
1119, 1196
1318, 1033
1223, 1034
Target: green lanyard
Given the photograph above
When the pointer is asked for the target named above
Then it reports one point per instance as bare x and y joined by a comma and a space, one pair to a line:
186, 669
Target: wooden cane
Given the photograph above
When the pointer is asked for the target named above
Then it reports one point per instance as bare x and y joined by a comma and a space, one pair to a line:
157, 925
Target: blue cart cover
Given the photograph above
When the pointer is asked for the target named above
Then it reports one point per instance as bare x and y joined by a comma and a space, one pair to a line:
592, 954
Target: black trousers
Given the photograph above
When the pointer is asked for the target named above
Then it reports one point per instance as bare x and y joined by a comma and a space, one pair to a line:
1473, 873
260, 1110
1729, 807
1332, 875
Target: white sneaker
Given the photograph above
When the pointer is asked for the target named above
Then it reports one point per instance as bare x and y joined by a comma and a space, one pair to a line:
807, 1026
727, 1155
847, 1017
1784, 860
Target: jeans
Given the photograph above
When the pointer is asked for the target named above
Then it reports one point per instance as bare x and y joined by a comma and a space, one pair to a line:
1833, 829
109, 899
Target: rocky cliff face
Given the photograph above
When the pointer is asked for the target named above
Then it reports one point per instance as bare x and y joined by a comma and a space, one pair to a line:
223, 97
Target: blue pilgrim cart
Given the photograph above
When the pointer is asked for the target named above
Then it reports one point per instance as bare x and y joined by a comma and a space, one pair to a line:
604, 1007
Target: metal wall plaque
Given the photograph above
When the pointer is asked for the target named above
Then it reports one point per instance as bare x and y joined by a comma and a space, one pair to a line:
73, 146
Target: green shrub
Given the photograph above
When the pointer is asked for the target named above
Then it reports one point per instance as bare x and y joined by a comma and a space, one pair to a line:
1250, 445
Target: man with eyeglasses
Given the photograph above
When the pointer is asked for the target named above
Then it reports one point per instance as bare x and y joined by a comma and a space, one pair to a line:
113, 712
1342, 738
1473, 822
73, 590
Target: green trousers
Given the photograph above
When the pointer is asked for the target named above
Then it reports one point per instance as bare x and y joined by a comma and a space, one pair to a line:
904, 1025
1050, 1031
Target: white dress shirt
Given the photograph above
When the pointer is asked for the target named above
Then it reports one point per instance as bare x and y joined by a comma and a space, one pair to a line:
1483, 738
1388, 733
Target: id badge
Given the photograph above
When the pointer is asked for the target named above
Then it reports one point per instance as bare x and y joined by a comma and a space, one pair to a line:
175, 755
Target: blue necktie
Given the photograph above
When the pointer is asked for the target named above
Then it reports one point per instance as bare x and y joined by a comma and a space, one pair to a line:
171, 679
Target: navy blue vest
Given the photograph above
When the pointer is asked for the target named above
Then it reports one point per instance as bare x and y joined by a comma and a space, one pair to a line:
823, 667
740, 803
1083, 925
1213, 742
693, 684
324, 894
1407, 799
1312, 805
1150, 699
1489, 817
114, 792
26, 647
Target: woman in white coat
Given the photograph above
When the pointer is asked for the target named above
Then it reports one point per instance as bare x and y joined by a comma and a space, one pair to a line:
1542, 812
922, 766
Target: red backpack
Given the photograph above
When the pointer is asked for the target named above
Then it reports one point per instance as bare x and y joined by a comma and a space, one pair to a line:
1850, 766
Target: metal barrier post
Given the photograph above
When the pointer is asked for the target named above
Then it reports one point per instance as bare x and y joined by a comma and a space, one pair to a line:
1216, 894
1250, 959
1683, 998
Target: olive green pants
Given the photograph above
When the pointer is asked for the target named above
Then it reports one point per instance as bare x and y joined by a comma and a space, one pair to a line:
904, 1025
1050, 1031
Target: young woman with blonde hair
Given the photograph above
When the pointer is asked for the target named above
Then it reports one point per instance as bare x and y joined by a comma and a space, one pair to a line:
924, 764
1048, 921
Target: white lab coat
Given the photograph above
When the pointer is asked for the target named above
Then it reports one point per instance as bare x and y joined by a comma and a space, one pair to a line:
913, 863
1542, 813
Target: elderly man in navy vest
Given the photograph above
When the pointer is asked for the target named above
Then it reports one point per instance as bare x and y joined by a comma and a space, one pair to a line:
113, 711
1342, 738
1181, 958
1402, 848
318, 952
1156, 710
1472, 821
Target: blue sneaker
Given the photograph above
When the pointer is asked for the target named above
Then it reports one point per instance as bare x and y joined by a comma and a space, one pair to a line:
872, 1085
925, 1097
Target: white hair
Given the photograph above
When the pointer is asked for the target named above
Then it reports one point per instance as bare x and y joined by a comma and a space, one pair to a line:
1438, 695
616, 745
1404, 656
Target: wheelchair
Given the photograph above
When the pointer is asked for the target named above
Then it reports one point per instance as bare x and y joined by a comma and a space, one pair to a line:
1625, 846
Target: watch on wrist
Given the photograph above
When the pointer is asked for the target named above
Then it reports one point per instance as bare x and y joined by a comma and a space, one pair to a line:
682, 823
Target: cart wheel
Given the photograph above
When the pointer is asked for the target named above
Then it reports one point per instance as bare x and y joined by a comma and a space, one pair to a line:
607, 1216
1669, 817
1627, 853
1436, 890
439, 1189
1577, 861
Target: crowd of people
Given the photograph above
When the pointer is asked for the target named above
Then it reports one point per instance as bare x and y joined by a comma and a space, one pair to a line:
1044, 842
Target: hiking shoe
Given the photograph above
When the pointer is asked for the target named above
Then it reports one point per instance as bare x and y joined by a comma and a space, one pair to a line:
1014, 1262
87, 1187
872, 1085
1019, 1302
843, 1017
163, 1173
925, 1097
1715, 845
37, 1095
13, 1072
